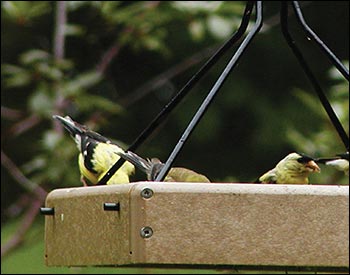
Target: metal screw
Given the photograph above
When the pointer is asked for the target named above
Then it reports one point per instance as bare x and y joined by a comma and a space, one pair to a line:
146, 193
146, 232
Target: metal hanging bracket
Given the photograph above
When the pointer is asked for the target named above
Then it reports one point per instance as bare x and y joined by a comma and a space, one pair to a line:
230, 66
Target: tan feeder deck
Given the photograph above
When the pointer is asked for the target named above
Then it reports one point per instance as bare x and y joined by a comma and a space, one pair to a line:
200, 225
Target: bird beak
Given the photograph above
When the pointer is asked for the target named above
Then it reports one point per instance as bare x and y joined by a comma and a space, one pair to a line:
69, 125
313, 166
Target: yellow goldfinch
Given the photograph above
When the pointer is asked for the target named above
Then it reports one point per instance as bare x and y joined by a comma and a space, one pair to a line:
153, 166
293, 169
340, 162
97, 154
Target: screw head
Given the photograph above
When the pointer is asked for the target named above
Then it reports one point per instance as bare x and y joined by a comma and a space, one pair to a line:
146, 193
146, 232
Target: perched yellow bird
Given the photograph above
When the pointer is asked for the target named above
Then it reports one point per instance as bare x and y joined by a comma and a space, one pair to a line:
97, 154
340, 162
293, 169
153, 166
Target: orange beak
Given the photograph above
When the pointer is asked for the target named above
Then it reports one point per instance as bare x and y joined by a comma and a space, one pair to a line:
313, 166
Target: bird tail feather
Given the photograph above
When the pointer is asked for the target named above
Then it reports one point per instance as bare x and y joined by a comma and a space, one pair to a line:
142, 164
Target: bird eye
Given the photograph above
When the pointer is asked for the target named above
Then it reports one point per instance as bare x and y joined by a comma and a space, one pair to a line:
304, 159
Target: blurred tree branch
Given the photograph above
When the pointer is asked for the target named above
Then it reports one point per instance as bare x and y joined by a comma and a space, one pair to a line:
107, 57
27, 221
29, 217
60, 26
10, 113
162, 78
58, 52
17, 207
24, 125
21, 179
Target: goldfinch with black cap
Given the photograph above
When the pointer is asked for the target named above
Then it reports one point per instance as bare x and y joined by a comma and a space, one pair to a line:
293, 169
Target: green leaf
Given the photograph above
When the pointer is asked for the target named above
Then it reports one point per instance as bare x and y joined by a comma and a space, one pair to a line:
74, 5
10, 8
219, 27
335, 74
92, 102
33, 56
74, 30
15, 76
40, 102
37, 163
8, 69
37, 8
197, 6
152, 43
25, 10
50, 72
197, 30
80, 83
51, 139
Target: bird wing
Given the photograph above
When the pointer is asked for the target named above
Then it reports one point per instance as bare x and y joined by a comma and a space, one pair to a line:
106, 155
142, 164
269, 177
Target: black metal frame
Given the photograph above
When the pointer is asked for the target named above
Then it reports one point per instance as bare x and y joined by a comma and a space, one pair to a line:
291, 43
312, 35
184, 91
228, 69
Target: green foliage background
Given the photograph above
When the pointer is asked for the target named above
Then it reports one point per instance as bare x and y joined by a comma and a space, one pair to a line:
121, 62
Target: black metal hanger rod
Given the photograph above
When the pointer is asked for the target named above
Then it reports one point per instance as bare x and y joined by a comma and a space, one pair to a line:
184, 91
332, 115
312, 35
208, 100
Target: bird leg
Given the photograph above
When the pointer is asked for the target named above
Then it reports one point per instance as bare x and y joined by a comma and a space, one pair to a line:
82, 179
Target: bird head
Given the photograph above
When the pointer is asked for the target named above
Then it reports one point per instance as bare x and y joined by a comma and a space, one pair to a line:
302, 162
81, 134
75, 129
